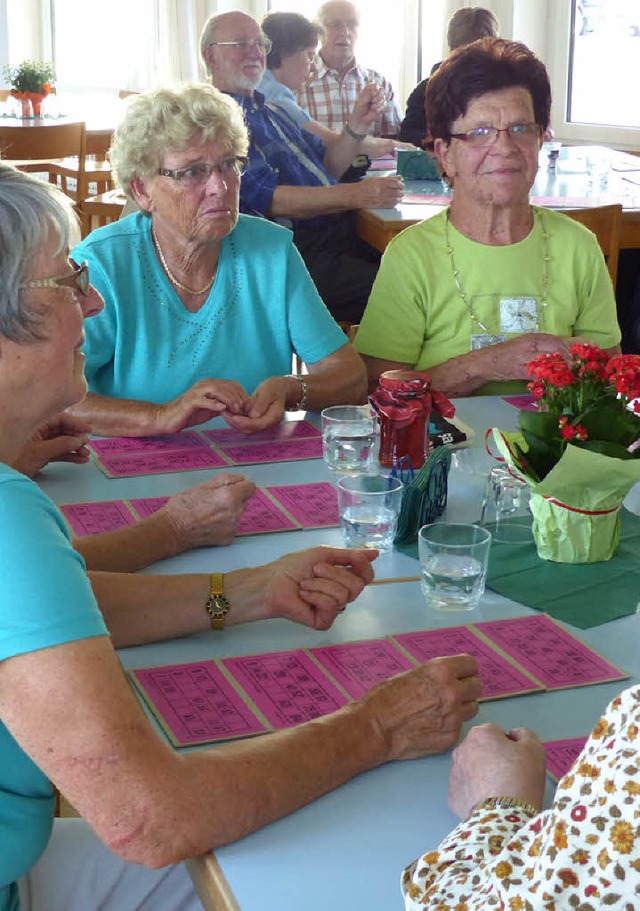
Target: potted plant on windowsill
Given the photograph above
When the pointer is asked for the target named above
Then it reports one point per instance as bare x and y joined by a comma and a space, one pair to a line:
31, 82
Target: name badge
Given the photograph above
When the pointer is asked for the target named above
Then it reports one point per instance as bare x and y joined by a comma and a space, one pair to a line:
518, 314
485, 340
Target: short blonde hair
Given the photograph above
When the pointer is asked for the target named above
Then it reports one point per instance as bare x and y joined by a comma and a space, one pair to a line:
169, 119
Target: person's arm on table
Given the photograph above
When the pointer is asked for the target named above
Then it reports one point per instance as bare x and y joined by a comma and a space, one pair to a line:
337, 379
487, 764
202, 516
72, 710
309, 587
307, 202
127, 417
466, 373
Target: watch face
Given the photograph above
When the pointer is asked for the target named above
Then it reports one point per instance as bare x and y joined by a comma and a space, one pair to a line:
218, 606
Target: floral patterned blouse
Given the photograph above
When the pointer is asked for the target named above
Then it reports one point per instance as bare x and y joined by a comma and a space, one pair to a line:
583, 854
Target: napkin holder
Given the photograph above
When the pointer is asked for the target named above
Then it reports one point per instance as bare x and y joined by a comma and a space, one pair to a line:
414, 164
425, 494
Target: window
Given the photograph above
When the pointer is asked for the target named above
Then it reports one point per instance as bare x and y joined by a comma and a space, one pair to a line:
605, 39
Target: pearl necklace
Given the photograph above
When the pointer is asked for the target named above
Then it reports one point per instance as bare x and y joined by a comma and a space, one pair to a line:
170, 274
546, 259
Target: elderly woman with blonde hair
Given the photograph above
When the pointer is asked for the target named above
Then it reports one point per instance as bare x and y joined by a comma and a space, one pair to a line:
203, 307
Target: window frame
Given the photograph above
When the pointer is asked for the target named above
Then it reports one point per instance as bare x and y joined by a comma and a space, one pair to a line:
559, 36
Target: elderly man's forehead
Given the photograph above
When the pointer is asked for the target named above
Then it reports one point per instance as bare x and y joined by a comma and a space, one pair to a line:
236, 25
338, 9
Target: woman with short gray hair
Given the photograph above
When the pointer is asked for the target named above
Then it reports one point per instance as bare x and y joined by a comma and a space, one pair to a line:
204, 308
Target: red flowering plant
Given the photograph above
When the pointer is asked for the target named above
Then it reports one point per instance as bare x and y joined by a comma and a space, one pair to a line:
579, 451
592, 402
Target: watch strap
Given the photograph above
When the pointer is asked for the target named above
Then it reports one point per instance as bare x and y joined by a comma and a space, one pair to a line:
509, 803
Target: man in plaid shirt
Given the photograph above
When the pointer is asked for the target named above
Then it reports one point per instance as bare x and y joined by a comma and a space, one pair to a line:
330, 97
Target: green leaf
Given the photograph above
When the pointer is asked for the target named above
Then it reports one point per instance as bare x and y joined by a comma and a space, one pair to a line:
614, 450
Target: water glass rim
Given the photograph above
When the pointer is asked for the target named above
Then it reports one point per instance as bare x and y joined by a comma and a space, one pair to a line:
482, 534
393, 484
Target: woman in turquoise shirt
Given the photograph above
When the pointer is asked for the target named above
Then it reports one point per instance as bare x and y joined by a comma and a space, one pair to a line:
67, 713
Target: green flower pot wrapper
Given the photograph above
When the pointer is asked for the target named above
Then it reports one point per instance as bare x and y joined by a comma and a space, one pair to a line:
576, 507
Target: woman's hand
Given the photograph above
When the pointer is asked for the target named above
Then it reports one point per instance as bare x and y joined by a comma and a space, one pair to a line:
208, 514
492, 763
266, 407
200, 403
310, 587
62, 439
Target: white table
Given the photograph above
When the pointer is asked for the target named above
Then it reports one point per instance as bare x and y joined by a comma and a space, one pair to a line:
347, 849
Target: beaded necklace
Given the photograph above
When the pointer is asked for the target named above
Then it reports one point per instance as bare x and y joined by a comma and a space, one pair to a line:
546, 259
170, 274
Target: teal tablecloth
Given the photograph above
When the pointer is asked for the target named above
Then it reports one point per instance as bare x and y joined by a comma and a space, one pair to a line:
583, 595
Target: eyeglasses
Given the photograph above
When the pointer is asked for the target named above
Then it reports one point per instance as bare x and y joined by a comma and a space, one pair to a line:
78, 280
264, 45
486, 136
196, 175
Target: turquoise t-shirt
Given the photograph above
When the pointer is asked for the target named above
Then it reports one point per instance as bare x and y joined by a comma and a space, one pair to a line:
45, 600
146, 345
415, 314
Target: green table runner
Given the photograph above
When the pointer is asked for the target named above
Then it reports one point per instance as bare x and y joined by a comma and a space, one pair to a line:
583, 595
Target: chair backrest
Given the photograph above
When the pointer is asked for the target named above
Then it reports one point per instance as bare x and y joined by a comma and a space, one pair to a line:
605, 222
43, 142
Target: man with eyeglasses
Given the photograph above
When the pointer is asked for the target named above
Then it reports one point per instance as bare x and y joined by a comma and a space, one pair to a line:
339, 79
292, 176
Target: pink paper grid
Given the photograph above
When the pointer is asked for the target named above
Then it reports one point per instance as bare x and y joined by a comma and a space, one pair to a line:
287, 687
549, 652
196, 703
226, 436
561, 755
499, 677
357, 666
312, 505
93, 518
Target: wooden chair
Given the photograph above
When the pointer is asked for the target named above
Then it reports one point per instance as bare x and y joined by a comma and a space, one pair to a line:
605, 222
96, 169
38, 148
96, 211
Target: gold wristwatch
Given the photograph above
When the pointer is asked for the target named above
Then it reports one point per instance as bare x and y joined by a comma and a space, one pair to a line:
217, 605
509, 803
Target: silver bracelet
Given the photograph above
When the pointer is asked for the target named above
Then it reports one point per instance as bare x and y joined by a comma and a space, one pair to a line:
357, 136
301, 404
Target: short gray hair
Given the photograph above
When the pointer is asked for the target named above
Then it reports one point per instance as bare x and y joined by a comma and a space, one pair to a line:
168, 119
30, 210
207, 36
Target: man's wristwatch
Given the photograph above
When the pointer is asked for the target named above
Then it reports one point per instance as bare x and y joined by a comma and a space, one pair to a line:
217, 605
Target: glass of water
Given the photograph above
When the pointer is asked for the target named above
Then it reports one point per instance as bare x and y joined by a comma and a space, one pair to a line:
369, 505
348, 437
453, 564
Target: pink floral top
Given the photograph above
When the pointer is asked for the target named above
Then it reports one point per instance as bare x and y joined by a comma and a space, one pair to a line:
581, 855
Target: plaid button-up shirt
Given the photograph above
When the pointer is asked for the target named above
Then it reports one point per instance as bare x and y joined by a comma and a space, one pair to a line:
330, 101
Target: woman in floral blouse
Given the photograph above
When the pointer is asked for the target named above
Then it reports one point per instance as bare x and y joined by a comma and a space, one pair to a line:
582, 854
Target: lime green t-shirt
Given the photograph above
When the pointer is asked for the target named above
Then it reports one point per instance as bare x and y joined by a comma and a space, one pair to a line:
416, 314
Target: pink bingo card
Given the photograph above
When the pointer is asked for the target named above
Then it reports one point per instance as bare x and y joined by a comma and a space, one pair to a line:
498, 675
549, 652
357, 666
312, 505
521, 402
288, 688
283, 451
195, 703
125, 466
92, 518
287, 430
146, 506
561, 754
188, 439
263, 515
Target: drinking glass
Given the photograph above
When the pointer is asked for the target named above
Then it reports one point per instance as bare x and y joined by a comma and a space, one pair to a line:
453, 564
369, 506
505, 507
348, 437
